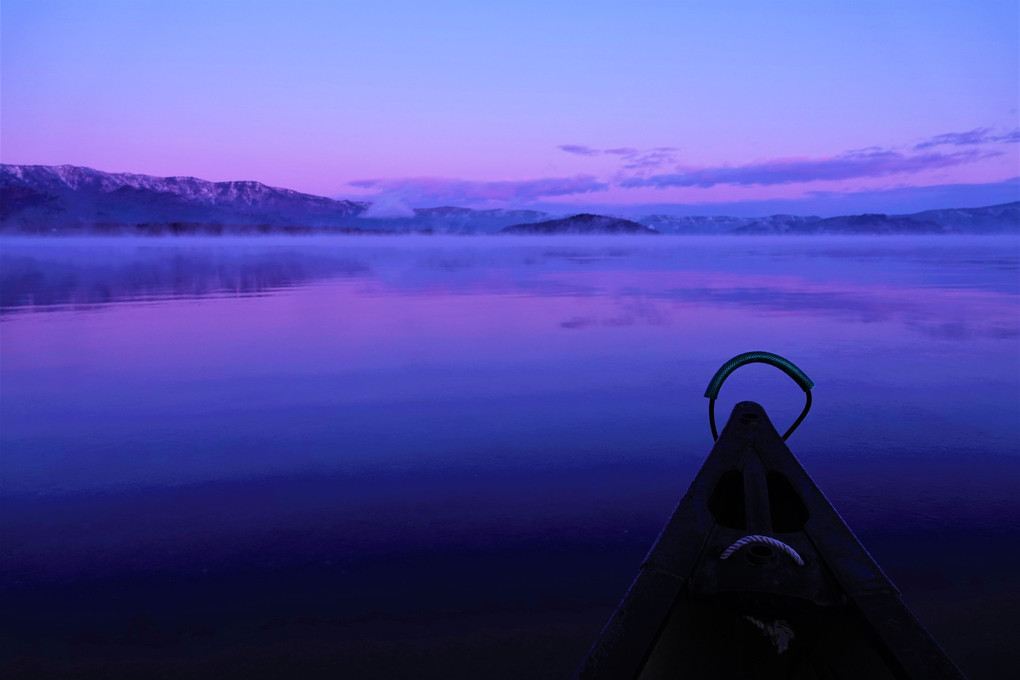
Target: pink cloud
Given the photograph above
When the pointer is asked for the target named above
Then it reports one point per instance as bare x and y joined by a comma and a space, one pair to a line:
634, 159
579, 149
873, 162
971, 137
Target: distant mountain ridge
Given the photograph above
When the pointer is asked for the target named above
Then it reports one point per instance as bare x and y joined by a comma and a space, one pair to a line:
677, 224
68, 195
73, 199
996, 219
848, 224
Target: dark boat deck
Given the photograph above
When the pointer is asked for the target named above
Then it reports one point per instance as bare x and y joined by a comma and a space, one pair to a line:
758, 614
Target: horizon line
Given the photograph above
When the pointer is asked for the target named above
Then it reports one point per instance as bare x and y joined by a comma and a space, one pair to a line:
815, 204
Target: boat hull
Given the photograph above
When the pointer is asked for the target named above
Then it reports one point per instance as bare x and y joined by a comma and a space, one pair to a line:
696, 611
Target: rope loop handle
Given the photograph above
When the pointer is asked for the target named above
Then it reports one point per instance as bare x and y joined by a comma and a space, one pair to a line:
764, 540
785, 365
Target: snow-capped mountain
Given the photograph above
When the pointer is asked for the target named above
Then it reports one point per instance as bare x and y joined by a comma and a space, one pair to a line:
996, 219
66, 195
993, 219
866, 224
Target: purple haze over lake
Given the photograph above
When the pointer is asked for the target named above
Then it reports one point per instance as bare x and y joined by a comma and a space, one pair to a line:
393, 451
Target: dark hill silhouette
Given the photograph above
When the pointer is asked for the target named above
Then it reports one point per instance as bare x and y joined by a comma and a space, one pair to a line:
585, 223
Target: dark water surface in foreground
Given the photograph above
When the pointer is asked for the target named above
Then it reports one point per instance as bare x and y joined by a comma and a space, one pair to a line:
445, 457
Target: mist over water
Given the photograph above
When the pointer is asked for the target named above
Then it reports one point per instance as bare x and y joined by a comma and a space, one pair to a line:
398, 450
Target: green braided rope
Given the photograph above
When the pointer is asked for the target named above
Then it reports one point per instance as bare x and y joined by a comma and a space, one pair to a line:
736, 362
785, 365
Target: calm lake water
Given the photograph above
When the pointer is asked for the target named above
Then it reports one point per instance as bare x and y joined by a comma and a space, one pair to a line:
438, 457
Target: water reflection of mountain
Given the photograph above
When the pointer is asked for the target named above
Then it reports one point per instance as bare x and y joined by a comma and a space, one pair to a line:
962, 289
65, 278
47, 274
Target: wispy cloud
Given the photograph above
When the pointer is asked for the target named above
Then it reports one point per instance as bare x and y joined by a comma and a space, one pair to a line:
647, 160
873, 162
634, 159
980, 135
579, 149
437, 189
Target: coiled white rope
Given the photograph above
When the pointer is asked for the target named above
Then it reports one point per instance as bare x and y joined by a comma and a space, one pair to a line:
765, 540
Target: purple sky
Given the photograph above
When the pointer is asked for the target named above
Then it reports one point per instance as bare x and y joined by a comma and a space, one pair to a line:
731, 107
